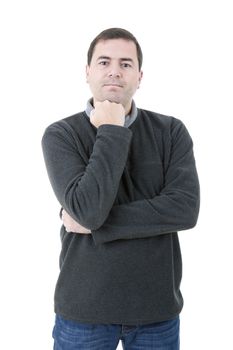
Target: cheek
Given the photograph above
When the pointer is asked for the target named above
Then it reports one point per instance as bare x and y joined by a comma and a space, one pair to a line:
92, 82
95, 79
134, 85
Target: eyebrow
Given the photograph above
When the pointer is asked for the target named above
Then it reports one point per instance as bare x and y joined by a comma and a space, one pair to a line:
109, 58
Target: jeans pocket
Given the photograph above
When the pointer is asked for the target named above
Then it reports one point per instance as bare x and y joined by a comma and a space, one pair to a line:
74, 335
163, 330
69, 331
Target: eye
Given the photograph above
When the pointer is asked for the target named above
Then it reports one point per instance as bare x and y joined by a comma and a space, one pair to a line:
103, 63
126, 65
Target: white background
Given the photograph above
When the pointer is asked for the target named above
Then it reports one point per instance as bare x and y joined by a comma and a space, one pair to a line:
187, 48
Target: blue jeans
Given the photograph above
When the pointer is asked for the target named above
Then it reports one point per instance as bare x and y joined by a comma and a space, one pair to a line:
71, 335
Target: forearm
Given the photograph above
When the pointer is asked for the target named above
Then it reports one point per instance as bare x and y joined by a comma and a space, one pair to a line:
148, 218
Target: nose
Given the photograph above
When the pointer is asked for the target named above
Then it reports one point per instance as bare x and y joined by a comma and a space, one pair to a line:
114, 74
114, 71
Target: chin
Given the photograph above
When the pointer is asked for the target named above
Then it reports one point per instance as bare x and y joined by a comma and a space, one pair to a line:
113, 98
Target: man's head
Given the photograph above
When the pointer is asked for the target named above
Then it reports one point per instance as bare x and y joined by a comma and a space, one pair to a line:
114, 66
115, 33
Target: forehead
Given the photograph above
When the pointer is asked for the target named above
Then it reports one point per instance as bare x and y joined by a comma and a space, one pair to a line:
115, 48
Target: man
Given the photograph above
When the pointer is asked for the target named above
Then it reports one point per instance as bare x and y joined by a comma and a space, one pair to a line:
127, 182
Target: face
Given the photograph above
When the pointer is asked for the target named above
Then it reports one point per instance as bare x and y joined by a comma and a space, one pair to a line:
113, 73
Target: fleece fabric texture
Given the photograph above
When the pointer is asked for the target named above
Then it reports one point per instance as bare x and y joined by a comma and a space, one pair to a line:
134, 188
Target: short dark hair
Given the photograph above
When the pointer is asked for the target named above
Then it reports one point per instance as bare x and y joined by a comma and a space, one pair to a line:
115, 33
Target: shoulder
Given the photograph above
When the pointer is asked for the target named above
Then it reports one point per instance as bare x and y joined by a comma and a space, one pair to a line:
66, 124
73, 132
161, 121
71, 127
63, 131
167, 128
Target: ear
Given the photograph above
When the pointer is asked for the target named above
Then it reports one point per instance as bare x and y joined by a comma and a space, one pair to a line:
87, 73
140, 78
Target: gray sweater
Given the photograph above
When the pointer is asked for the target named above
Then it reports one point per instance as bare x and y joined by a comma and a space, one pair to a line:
134, 188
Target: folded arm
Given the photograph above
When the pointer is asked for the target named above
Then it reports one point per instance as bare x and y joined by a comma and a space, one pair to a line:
175, 208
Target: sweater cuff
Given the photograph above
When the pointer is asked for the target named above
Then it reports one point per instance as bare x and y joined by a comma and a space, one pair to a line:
116, 130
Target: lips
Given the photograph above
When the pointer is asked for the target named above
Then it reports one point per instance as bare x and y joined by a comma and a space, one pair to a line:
113, 84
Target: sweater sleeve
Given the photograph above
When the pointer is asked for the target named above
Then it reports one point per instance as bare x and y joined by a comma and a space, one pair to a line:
86, 188
174, 209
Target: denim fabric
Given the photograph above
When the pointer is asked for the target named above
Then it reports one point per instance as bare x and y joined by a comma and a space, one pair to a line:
71, 335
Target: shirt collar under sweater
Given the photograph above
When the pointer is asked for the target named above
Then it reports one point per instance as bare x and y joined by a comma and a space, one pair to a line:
129, 119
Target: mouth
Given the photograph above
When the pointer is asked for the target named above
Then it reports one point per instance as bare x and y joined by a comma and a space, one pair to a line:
113, 85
